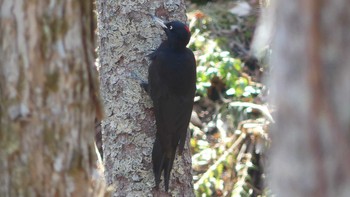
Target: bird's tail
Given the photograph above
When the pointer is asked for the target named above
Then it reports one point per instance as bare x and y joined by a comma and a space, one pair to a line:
162, 161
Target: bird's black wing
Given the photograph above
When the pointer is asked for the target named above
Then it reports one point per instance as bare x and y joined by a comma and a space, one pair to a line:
172, 90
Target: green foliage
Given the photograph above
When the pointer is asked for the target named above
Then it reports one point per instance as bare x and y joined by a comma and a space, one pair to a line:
213, 60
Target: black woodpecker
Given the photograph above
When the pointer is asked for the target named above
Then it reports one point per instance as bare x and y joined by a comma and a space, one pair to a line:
172, 86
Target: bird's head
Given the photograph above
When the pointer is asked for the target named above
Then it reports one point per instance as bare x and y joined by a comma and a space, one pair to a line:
177, 32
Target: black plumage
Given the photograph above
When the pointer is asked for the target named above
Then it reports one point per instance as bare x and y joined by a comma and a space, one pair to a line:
172, 86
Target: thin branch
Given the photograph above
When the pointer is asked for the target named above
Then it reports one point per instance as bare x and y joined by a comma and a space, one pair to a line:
262, 108
221, 159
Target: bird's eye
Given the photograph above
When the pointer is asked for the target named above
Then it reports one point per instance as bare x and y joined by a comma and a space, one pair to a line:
170, 27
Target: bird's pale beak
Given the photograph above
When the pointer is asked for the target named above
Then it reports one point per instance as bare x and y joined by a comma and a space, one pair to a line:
159, 21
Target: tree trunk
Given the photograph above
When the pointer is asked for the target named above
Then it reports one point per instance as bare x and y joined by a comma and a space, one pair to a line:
310, 81
127, 35
47, 98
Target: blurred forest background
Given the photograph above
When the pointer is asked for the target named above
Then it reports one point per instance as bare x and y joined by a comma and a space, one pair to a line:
308, 81
231, 119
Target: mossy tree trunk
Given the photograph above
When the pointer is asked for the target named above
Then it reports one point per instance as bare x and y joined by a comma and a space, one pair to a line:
127, 35
47, 98
310, 84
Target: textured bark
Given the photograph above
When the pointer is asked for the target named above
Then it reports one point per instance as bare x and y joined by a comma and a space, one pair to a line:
310, 80
46, 98
126, 36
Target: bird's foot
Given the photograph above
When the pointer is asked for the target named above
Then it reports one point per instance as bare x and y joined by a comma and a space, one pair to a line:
143, 84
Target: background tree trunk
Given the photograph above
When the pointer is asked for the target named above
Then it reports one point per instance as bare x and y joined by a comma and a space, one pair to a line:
126, 36
310, 85
47, 98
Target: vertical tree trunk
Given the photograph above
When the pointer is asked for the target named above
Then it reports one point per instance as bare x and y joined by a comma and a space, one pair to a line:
127, 35
46, 98
310, 81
